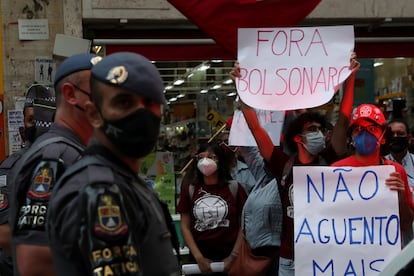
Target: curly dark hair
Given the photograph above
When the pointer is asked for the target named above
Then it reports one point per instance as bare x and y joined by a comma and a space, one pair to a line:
222, 164
296, 127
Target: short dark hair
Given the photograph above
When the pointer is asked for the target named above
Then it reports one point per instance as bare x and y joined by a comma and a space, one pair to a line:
296, 127
402, 121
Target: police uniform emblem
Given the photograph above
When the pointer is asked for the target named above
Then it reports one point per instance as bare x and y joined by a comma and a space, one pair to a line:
117, 75
42, 182
110, 220
95, 60
3, 201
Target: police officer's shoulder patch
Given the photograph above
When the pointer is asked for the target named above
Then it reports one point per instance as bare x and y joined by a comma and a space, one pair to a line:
42, 180
110, 221
3, 201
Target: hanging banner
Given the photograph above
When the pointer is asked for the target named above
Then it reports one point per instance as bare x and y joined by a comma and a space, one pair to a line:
220, 19
293, 68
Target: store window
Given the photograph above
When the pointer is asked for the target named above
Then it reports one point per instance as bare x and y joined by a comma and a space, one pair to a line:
199, 93
193, 88
394, 87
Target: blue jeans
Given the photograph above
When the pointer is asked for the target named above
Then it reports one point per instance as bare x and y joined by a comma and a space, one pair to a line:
286, 267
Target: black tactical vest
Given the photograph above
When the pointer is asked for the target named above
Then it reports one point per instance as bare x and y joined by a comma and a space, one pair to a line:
141, 244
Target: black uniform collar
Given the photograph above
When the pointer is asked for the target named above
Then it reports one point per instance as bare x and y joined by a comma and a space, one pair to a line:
95, 148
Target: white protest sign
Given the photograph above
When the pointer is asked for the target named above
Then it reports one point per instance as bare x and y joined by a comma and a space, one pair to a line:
292, 68
271, 121
347, 217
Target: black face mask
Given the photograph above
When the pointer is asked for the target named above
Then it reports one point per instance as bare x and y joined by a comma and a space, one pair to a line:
134, 135
29, 134
398, 144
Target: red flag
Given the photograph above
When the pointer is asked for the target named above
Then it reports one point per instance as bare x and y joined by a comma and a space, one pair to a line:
221, 18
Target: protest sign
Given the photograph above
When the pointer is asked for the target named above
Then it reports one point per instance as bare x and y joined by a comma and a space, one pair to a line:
292, 68
271, 121
347, 217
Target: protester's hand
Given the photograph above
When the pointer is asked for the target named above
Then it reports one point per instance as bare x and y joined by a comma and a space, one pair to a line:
354, 64
395, 182
235, 73
204, 265
228, 262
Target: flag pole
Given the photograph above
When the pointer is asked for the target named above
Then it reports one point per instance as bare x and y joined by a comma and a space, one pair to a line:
209, 141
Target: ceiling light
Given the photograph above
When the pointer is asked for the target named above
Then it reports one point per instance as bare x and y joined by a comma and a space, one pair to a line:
190, 75
181, 95
231, 94
228, 81
376, 64
203, 91
97, 49
179, 82
173, 99
217, 86
168, 87
216, 60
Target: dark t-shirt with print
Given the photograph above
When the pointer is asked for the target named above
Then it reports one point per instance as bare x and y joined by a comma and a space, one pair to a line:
215, 217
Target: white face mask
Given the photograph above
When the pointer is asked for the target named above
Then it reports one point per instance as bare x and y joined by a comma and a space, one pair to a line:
207, 166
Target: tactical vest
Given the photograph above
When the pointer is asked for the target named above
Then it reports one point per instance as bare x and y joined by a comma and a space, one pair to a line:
35, 175
144, 233
6, 173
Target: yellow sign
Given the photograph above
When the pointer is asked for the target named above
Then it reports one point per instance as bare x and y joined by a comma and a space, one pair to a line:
215, 119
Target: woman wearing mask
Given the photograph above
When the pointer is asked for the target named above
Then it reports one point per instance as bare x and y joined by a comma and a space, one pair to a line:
210, 208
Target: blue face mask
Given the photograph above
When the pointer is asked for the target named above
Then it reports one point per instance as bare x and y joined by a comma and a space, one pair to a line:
365, 143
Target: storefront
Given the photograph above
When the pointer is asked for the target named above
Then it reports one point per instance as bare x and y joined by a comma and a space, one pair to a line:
196, 74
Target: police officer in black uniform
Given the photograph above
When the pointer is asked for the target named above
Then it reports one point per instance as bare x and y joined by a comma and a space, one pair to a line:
103, 218
41, 165
38, 114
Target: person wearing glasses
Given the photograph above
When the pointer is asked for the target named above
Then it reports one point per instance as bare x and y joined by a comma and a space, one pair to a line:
210, 207
368, 129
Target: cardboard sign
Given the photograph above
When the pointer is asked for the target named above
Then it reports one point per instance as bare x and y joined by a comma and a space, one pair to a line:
293, 68
347, 217
271, 121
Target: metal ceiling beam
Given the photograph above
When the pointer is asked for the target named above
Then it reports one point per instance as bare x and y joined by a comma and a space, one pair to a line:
157, 41
207, 41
